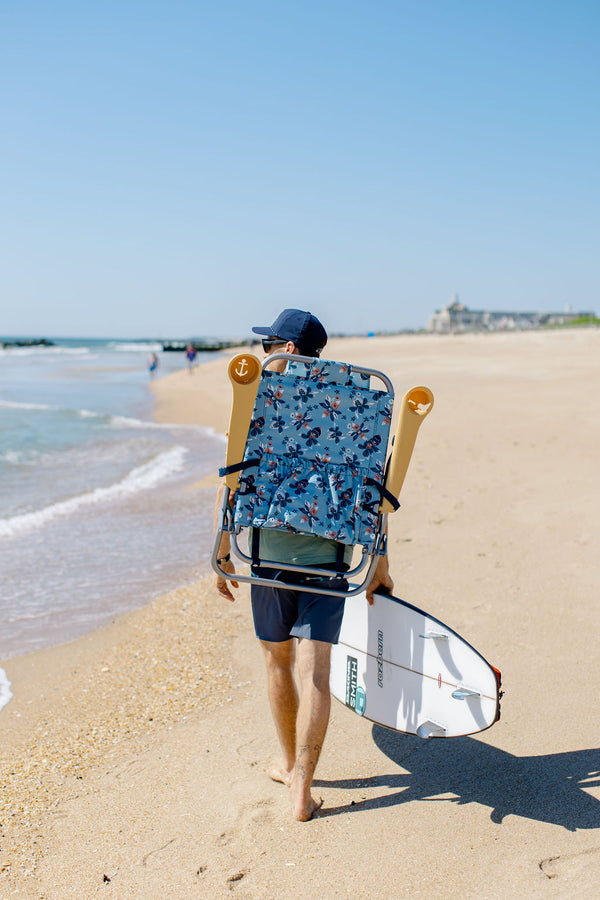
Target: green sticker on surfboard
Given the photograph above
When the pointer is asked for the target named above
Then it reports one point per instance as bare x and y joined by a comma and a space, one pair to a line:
356, 698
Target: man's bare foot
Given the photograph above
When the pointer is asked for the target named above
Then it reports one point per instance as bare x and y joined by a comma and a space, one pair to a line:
278, 772
304, 812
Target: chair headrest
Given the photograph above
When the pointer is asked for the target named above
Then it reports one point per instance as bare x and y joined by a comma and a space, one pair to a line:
325, 370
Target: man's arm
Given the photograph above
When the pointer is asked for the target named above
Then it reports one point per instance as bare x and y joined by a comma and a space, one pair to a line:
221, 583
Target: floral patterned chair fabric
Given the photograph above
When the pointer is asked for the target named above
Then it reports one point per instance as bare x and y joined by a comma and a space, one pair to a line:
315, 457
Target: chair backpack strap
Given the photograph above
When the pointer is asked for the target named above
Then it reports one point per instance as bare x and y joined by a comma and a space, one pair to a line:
255, 549
238, 467
383, 493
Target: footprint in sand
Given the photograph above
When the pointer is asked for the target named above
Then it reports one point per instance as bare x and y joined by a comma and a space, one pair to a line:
573, 867
259, 813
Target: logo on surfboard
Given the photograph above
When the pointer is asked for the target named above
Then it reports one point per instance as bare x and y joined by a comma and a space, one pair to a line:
356, 697
380, 658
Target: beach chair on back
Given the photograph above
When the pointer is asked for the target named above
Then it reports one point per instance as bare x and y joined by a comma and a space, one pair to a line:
307, 453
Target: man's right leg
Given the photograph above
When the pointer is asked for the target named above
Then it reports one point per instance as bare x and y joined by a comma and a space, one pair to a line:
283, 697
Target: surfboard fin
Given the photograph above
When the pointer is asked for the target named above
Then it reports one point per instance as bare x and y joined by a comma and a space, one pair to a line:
463, 693
431, 729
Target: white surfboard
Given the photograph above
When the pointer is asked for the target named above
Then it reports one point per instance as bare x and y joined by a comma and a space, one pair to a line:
399, 667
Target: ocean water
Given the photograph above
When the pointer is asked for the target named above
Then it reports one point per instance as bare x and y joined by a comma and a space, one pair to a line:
98, 513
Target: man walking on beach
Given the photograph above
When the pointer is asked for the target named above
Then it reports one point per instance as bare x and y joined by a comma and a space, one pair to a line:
296, 628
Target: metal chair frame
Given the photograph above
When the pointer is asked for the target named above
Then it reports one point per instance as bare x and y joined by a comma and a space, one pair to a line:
309, 574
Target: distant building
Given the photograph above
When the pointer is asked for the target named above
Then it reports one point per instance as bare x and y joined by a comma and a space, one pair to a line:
456, 317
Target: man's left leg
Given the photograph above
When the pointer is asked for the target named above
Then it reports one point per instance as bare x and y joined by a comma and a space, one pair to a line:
313, 664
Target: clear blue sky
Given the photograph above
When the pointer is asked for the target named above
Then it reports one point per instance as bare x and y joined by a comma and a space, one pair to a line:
189, 168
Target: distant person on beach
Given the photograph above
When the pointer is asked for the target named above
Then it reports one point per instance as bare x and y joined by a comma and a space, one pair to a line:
190, 354
152, 364
283, 616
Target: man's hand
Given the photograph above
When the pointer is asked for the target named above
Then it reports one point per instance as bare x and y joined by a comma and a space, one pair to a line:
222, 584
381, 578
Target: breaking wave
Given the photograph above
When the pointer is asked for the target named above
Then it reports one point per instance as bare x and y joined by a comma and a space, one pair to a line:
135, 347
14, 404
141, 478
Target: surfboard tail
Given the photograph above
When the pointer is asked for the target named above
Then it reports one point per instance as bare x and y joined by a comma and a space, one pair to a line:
399, 667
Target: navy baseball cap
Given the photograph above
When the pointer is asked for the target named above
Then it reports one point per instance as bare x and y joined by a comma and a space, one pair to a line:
298, 326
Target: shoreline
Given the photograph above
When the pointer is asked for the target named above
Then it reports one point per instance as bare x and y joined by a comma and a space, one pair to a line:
95, 496
117, 759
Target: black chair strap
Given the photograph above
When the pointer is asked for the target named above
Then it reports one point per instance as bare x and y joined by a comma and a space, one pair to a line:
238, 467
255, 549
383, 494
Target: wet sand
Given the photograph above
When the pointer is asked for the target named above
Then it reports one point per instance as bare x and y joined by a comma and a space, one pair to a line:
132, 760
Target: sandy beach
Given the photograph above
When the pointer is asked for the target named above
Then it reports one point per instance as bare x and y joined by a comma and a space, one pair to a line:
132, 760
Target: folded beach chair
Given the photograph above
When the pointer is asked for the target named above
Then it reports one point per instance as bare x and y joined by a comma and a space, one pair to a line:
307, 452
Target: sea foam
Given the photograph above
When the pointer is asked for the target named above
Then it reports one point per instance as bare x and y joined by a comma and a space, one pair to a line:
139, 479
5, 692
44, 351
120, 421
14, 404
136, 347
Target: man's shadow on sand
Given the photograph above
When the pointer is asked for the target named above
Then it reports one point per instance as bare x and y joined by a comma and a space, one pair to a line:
543, 788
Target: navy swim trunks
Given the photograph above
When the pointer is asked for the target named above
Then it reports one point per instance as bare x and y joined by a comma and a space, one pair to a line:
283, 613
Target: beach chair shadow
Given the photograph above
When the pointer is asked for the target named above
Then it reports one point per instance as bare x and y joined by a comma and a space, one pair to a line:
548, 788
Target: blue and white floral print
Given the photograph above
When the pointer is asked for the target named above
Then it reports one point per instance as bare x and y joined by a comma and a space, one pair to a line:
317, 440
